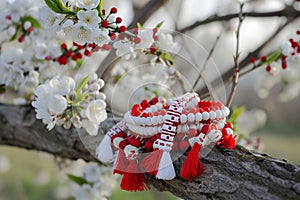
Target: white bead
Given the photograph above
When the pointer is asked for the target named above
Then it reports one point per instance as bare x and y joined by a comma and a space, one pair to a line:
212, 115
220, 124
185, 128
162, 99
183, 118
154, 120
205, 115
153, 108
193, 126
159, 129
117, 141
160, 119
198, 117
200, 125
227, 111
179, 128
191, 117
148, 121
143, 121
218, 114
154, 130
159, 106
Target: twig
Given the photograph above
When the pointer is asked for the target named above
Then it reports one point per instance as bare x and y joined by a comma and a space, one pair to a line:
227, 76
288, 11
236, 71
206, 62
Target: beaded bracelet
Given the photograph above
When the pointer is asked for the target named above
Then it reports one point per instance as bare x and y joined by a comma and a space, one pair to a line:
159, 127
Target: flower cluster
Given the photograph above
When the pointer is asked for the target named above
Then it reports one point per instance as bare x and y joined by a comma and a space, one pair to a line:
282, 67
67, 101
85, 22
97, 183
151, 41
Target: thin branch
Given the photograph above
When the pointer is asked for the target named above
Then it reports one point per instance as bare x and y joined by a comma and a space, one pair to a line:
227, 76
287, 12
206, 62
236, 71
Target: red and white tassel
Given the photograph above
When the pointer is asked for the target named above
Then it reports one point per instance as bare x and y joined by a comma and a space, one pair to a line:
104, 150
192, 166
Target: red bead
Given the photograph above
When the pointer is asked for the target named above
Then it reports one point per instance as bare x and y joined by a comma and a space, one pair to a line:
145, 104
229, 125
206, 128
136, 110
104, 23
123, 144
153, 138
175, 146
118, 20
183, 145
122, 29
149, 145
179, 136
145, 115
134, 142
153, 101
206, 109
122, 134
193, 133
113, 10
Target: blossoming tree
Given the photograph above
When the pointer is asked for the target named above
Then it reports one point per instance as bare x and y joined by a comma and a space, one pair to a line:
76, 68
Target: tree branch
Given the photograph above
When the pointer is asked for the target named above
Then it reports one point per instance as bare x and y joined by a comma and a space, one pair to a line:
227, 76
288, 11
229, 174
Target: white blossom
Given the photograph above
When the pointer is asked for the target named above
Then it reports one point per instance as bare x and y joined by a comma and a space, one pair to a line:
166, 43
101, 37
90, 127
124, 50
88, 4
82, 34
146, 37
88, 18
95, 111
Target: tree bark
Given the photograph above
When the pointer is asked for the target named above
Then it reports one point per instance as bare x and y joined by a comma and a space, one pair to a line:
229, 174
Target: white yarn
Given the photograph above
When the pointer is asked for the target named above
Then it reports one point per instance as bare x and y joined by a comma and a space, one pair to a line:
166, 169
104, 150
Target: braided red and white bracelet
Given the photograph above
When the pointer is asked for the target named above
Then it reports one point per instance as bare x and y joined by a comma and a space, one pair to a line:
153, 129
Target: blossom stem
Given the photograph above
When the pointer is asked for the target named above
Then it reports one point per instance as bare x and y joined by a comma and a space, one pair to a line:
236, 71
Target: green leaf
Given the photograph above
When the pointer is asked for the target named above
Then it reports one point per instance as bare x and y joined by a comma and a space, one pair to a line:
139, 25
168, 57
237, 111
80, 98
160, 24
81, 85
77, 179
273, 57
34, 22
58, 7
17, 33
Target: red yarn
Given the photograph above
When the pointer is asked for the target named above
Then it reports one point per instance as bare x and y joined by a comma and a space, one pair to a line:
121, 163
133, 180
151, 162
228, 142
192, 166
